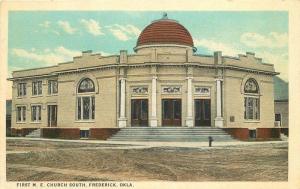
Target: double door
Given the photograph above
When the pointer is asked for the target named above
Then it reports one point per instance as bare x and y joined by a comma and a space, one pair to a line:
139, 112
171, 112
202, 112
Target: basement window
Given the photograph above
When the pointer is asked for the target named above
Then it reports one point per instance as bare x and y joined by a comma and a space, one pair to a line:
84, 133
252, 133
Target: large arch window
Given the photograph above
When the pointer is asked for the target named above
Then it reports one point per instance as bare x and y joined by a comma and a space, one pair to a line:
85, 100
251, 100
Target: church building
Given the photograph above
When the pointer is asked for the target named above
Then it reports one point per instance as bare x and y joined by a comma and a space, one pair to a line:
165, 83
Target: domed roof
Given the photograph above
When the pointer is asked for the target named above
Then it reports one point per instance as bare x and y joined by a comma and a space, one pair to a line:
165, 31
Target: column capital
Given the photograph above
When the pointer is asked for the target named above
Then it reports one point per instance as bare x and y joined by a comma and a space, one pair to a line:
122, 78
154, 77
218, 79
189, 77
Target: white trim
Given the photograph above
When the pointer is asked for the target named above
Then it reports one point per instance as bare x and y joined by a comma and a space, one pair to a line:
163, 45
251, 121
85, 121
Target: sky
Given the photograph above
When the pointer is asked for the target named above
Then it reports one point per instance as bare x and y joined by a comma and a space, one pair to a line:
45, 38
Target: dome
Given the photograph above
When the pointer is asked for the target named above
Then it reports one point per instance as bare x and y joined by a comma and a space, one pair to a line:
165, 31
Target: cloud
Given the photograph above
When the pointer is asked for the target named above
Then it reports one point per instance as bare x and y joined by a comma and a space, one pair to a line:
65, 25
92, 26
124, 32
55, 32
45, 24
280, 61
48, 56
212, 45
271, 40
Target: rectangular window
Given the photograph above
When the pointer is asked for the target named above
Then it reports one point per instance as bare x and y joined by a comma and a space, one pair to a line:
84, 133
37, 88
21, 113
36, 114
252, 133
86, 108
21, 89
278, 120
251, 108
52, 87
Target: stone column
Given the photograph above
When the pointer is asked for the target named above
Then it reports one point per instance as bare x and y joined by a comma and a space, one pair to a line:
189, 118
122, 119
153, 120
219, 118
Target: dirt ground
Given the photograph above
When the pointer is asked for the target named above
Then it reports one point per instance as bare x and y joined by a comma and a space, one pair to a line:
64, 161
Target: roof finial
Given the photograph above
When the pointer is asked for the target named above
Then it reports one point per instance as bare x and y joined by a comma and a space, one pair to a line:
165, 15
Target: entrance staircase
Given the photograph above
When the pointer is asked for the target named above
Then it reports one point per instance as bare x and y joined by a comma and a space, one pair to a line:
34, 134
171, 134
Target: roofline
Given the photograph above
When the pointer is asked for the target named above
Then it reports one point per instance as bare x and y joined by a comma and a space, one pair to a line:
37, 68
198, 64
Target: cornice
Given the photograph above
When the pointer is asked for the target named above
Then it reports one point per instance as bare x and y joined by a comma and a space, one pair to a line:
147, 64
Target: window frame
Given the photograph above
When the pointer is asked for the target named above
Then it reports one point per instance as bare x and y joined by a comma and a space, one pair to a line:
38, 114
51, 88
92, 108
35, 84
21, 89
253, 96
90, 94
78, 90
23, 109
255, 108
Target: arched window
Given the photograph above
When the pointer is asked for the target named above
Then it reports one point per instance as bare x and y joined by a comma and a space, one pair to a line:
85, 100
251, 100
251, 86
86, 85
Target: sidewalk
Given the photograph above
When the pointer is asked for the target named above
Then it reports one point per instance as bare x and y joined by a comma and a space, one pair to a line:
134, 144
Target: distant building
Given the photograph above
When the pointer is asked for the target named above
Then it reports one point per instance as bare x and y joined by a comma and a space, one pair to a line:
282, 113
163, 84
281, 105
8, 117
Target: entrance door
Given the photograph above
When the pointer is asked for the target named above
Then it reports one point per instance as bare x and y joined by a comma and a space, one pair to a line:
202, 112
139, 112
171, 112
52, 115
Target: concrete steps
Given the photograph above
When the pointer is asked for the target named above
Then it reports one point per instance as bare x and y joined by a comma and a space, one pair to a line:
34, 134
176, 134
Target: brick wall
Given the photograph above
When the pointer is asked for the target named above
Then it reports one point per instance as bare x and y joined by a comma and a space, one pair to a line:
267, 133
102, 133
238, 133
261, 133
63, 133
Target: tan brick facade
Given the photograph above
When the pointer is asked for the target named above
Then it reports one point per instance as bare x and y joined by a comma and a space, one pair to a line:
106, 71
211, 86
